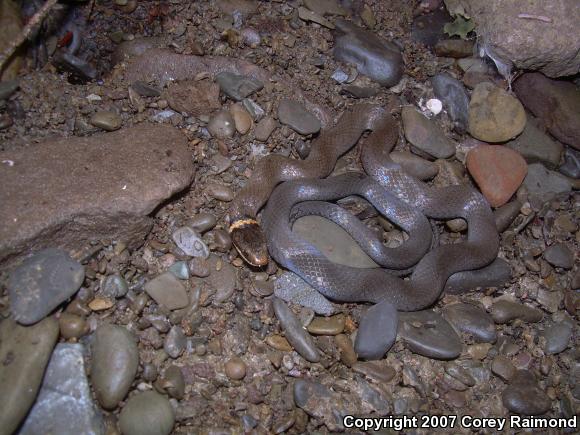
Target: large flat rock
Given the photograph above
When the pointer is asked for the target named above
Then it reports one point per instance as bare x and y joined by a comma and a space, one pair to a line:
68, 192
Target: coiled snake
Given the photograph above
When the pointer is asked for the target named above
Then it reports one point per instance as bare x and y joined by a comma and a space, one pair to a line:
398, 195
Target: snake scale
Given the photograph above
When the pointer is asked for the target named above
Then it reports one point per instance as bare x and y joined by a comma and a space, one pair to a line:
399, 196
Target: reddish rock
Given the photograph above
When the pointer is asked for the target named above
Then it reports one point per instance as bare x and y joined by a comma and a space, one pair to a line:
555, 102
70, 192
498, 171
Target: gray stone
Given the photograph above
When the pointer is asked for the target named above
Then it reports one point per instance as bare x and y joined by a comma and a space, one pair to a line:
300, 340
424, 134
380, 317
295, 115
543, 184
571, 165
41, 283
69, 192
114, 286
506, 36
454, 97
374, 57
415, 165
24, 352
334, 242
64, 404
147, 413
180, 270
223, 279
236, 86
559, 255
524, 396
429, 334
175, 342
536, 147
557, 336
190, 242
291, 288
168, 290
471, 320
504, 311
115, 359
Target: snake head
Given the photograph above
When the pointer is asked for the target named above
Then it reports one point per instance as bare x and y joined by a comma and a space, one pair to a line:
250, 242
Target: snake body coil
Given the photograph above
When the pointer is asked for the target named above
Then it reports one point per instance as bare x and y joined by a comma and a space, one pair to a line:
393, 192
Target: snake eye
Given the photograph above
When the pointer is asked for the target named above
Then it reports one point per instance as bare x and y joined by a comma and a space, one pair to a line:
250, 242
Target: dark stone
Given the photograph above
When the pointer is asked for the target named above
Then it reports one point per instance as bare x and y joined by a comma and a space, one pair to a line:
374, 57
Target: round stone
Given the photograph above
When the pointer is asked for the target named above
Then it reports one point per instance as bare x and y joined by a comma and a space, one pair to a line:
524, 396
235, 369
494, 115
72, 326
147, 413
222, 125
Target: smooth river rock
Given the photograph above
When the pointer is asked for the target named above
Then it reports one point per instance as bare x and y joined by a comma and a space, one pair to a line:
374, 57
426, 135
504, 311
69, 192
115, 359
524, 396
297, 117
497, 170
24, 352
494, 115
537, 147
472, 320
147, 413
454, 97
295, 334
64, 404
41, 283
429, 334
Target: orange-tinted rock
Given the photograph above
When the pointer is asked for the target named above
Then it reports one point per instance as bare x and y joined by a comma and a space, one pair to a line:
497, 170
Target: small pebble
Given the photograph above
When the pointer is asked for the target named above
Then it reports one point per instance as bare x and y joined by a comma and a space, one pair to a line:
219, 192
167, 290
265, 128
242, 119
235, 369
559, 255
72, 326
221, 125
109, 121
203, 222
327, 325
190, 242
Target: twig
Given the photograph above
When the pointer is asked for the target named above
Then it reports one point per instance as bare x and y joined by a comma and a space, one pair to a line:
535, 17
26, 31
